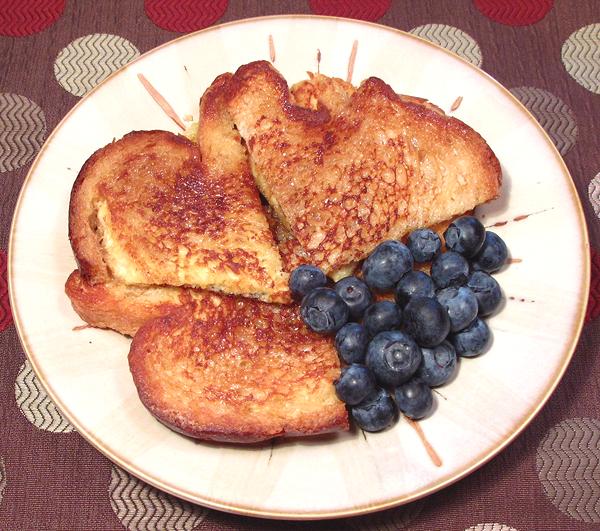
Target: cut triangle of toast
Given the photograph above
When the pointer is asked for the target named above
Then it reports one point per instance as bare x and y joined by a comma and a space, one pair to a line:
382, 166
145, 210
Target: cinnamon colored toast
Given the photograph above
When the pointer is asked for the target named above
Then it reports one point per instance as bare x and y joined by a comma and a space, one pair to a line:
382, 166
237, 370
145, 211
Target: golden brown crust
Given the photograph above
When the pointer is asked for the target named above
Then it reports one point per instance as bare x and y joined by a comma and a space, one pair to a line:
145, 211
380, 168
237, 370
123, 308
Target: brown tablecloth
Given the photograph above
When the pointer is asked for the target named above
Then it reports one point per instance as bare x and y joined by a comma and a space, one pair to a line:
547, 53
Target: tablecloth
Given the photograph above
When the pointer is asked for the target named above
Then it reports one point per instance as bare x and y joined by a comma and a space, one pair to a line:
546, 52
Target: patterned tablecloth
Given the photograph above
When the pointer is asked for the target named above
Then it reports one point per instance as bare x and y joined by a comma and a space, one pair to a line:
547, 52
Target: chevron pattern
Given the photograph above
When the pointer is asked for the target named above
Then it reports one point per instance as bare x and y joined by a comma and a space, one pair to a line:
2, 478
593, 307
568, 465
553, 114
141, 507
25, 17
88, 60
581, 57
594, 194
490, 527
5, 313
22, 130
515, 12
359, 9
185, 15
452, 39
35, 404
390, 520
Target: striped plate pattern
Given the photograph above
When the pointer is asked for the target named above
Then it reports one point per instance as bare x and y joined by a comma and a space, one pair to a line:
453, 39
140, 507
22, 130
568, 465
35, 404
553, 114
88, 60
581, 56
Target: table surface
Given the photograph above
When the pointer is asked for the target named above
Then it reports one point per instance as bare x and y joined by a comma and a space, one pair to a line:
547, 53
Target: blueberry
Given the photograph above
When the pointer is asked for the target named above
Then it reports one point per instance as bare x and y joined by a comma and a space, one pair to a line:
471, 341
461, 305
351, 342
492, 255
427, 321
355, 383
384, 267
449, 269
376, 412
486, 290
355, 293
439, 364
424, 244
324, 311
414, 399
393, 357
383, 315
465, 235
305, 278
414, 283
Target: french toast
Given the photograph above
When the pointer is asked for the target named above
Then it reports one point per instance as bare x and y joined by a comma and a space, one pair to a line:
145, 210
382, 166
237, 370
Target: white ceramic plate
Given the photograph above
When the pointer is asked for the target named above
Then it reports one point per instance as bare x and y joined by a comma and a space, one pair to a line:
485, 407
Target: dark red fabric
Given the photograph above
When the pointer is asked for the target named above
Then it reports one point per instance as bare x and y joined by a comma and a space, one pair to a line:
5, 314
593, 308
25, 17
185, 15
515, 12
58, 481
372, 10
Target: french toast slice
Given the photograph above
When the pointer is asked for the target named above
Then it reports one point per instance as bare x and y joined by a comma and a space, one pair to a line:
124, 308
145, 211
383, 166
238, 370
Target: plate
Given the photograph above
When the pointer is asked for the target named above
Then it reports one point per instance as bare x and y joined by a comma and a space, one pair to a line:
493, 398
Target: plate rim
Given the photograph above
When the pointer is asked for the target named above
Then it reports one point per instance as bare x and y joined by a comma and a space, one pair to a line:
252, 511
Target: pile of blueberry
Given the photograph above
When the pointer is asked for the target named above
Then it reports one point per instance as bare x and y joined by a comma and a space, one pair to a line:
394, 353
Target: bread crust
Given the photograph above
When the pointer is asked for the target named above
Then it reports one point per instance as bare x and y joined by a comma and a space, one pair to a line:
384, 165
237, 370
144, 210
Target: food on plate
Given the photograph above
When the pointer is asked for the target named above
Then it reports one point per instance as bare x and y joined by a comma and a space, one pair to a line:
234, 369
145, 210
234, 299
122, 307
378, 169
395, 353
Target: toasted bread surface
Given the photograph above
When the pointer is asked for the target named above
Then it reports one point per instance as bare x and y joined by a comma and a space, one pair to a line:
121, 307
145, 211
380, 168
232, 369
